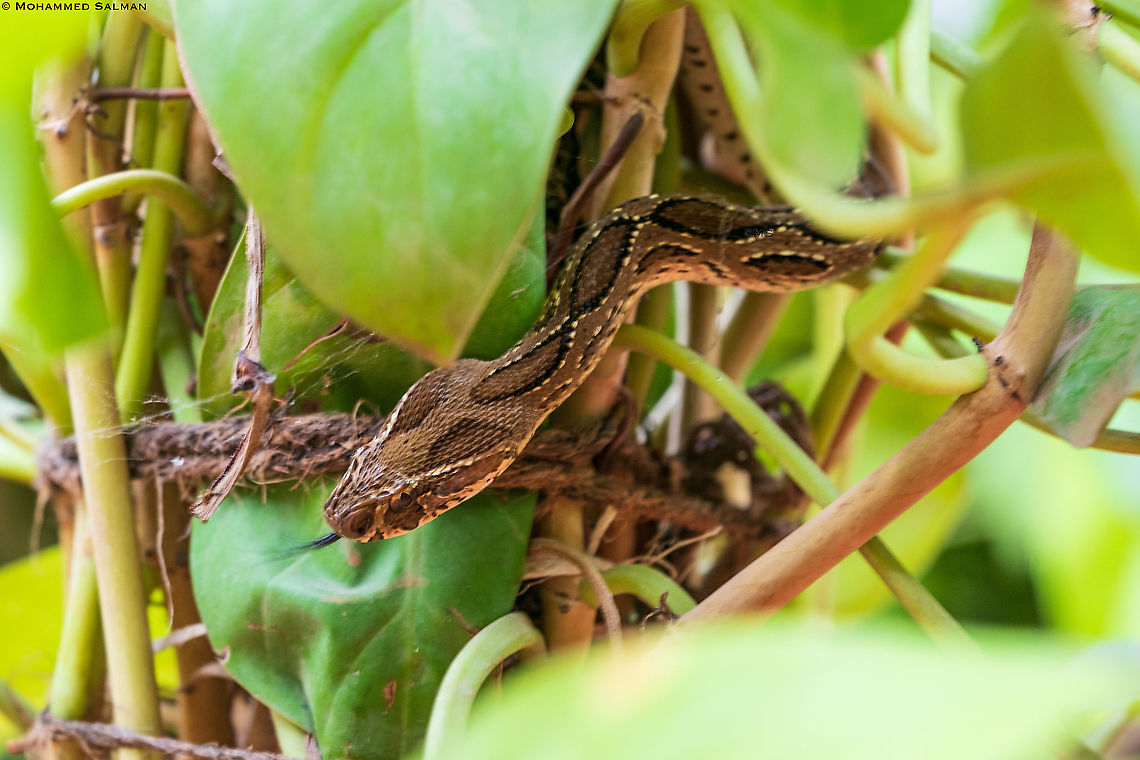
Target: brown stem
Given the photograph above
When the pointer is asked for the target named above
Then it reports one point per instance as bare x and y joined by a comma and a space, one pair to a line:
1018, 358
139, 93
108, 737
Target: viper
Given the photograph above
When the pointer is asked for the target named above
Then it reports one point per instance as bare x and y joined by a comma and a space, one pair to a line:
457, 428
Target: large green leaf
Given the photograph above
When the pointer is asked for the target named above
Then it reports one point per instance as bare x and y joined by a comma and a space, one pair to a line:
48, 294
395, 148
809, 116
341, 370
351, 641
1037, 107
862, 24
739, 691
1097, 363
338, 371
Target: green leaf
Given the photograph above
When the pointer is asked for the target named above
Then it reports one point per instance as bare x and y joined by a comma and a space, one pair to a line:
1096, 365
860, 24
1037, 106
49, 298
342, 370
395, 149
352, 640
338, 371
738, 691
809, 113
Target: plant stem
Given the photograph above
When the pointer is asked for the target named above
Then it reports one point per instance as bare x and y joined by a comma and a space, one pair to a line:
891, 299
17, 464
896, 115
912, 59
150, 280
974, 284
15, 708
482, 654
749, 330
779, 445
146, 112
1026, 344
960, 60
631, 21
122, 599
168, 188
79, 637
646, 583
652, 313
114, 68
1120, 49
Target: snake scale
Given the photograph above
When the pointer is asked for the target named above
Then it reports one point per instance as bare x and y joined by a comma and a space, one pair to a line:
459, 427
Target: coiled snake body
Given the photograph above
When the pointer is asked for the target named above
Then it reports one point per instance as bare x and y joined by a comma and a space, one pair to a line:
459, 427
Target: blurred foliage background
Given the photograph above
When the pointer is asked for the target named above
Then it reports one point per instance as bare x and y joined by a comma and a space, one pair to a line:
1033, 533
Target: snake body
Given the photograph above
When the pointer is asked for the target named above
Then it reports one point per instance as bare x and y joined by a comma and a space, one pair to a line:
459, 427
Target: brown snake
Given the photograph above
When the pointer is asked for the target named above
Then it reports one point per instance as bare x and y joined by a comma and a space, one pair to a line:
459, 427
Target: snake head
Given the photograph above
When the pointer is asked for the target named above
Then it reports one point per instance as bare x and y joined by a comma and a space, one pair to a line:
365, 507
433, 454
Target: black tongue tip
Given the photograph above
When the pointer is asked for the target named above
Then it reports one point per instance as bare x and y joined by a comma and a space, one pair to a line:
325, 540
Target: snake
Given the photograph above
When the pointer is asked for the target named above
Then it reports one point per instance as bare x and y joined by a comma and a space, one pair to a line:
459, 427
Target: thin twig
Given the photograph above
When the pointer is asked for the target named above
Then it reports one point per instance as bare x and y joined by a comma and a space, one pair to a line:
140, 93
590, 571
109, 737
572, 211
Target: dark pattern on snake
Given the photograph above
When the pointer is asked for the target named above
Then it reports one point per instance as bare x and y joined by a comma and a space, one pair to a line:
459, 427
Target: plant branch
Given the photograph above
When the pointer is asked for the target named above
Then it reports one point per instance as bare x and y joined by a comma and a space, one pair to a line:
137, 362
1120, 49
891, 299
122, 598
486, 651
1024, 346
166, 187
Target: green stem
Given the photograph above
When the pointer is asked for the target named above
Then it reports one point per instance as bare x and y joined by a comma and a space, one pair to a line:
467, 672
122, 598
45, 387
166, 187
145, 122
79, 637
931, 616
894, 114
1126, 12
652, 313
137, 359
831, 405
1109, 439
17, 464
974, 284
17, 434
912, 59
960, 60
176, 365
792, 459
646, 583
838, 214
749, 330
290, 737
1120, 49
891, 299
633, 17
15, 708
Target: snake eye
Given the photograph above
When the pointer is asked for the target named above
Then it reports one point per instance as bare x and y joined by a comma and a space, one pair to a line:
400, 502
